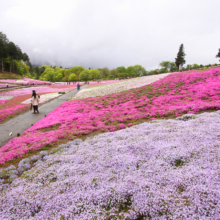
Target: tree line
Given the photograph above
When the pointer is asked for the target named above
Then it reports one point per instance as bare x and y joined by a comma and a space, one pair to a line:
78, 73
12, 59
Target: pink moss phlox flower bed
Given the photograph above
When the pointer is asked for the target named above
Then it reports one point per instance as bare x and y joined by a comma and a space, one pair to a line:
39, 90
2, 102
9, 110
3, 85
24, 81
104, 82
5, 113
173, 95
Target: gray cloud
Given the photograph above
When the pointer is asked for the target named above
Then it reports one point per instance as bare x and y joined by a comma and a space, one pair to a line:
111, 33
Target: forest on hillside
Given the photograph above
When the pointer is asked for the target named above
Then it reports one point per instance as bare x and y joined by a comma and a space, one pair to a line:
12, 59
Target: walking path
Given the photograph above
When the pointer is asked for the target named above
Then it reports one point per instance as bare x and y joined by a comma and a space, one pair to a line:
22, 122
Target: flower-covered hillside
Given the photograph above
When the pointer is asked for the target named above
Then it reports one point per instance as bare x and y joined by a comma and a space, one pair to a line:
117, 86
24, 81
173, 95
18, 100
166, 169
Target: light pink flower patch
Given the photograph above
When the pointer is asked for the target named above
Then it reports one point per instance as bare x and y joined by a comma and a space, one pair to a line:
2, 102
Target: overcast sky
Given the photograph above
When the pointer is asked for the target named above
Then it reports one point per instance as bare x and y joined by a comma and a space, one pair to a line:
112, 33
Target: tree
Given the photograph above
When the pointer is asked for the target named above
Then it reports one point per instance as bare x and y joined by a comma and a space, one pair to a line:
130, 71
121, 75
93, 74
104, 72
77, 70
110, 77
58, 77
72, 77
30, 68
165, 65
19, 54
42, 69
36, 70
12, 52
122, 72
139, 70
113, 72
121, 69
50, 76
173, 67
25, 57
3, 52
3, 48
195, 66
84, 75
218, 54
180, 59
168, 66
189, 67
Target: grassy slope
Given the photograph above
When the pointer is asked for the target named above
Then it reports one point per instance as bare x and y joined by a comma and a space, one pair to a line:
7, 75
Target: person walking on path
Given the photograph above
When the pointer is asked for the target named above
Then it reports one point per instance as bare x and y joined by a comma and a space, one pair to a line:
78, 86
33, 91
35, 101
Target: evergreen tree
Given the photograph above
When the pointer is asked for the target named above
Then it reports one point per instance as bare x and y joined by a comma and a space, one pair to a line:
25, 57
12, 51
180, 60
19, 54
218, 55
3, 48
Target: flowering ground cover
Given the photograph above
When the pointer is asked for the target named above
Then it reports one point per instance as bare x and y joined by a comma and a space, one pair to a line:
6, 86
17, 101
11, 106
2, 102
38, 89
24, 80
63, 86
113, 86
3, 85
105, 82
166, 169
43, 98
173, 95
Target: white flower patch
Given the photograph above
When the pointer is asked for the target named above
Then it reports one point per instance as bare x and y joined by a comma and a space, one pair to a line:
21, 81
43, 98
6, 97
118, 87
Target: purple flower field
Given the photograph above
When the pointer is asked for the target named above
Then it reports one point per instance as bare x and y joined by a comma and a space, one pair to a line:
164, 169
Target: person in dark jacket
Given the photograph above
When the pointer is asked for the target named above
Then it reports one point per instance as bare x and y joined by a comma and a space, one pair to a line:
78, 86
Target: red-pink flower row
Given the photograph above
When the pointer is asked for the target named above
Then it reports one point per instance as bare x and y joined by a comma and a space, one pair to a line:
5, 113
175, 94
